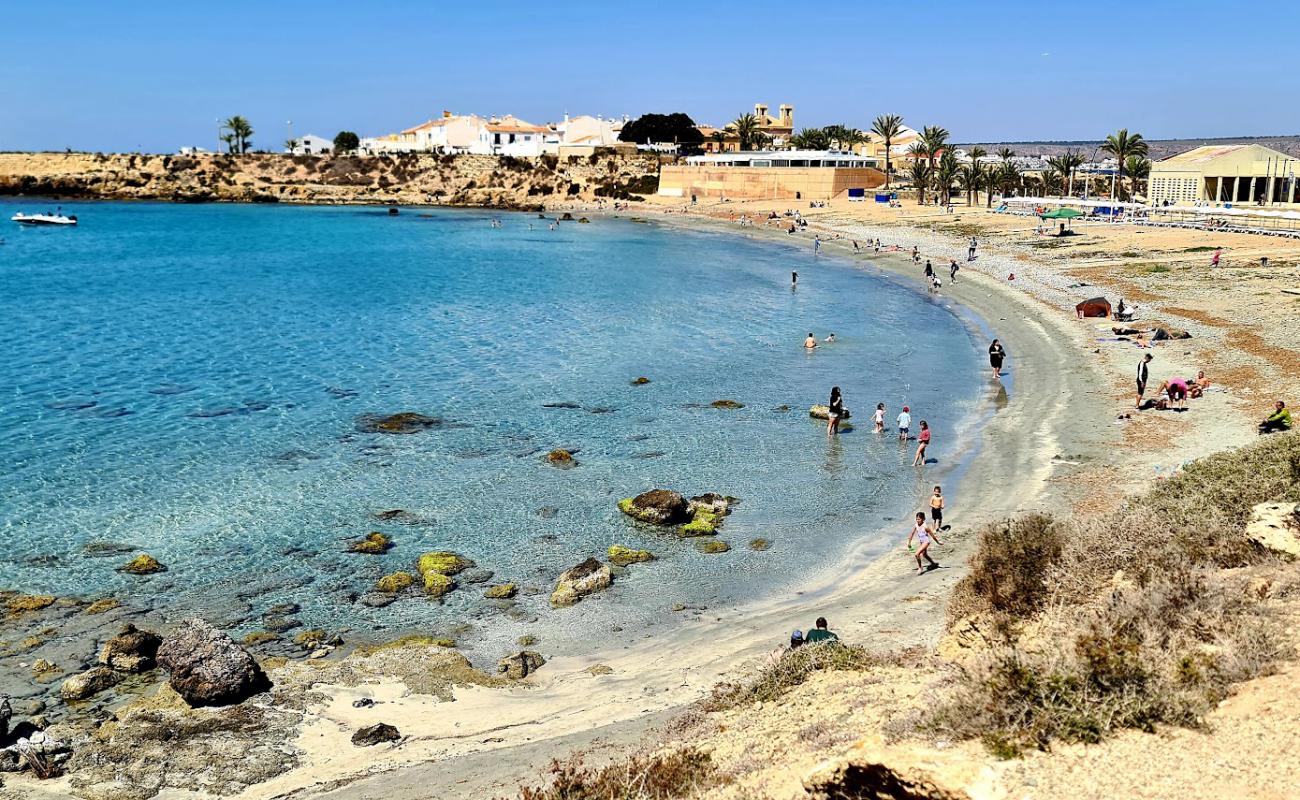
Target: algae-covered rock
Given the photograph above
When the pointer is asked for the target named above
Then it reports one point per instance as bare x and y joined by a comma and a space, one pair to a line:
103, 605
502, 591
143, 564
622, 556
713, 546
759, 544
396, 582
520, 665
657, 506
310, 638
581, 580
559, 457
640, 381
727, 404
21, 603
704, 523
443, 563
260, 637
89, 683
436, 584
824, 412
717, 503
403, 422
375, 543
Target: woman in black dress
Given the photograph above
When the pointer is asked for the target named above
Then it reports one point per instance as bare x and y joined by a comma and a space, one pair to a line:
996, 354
836, 409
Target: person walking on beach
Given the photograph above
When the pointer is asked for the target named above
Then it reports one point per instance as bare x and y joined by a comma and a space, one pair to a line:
835, 410
996, 356
970, 251
817, 244
925, 536
879, 418
1214, 260
936, 508
904, 423
1142, 375
929, 270
923, 441
952, 271
916, 255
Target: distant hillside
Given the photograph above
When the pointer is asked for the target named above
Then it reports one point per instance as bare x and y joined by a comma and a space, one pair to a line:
1160, 148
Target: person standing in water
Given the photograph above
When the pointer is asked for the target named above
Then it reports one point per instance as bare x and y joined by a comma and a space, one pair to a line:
929, 270
925, 536
811, 342
996, 355
794, 278
817, 244
904, 423
879, 418
835, 410
952, 271
923, 441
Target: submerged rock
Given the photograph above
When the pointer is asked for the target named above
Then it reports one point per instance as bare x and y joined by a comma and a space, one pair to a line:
89, 683
503, 591
103, 605
729, 404
403, 422
704, 522
824, 412
520, 665
374, 543
640, 381
403, 517
760, 544
376, 734
443, 562
713, 546
143, 564
559, 457
436, 584
657, 506
581, 580
207, 668
132, 650
622, 556
394, 583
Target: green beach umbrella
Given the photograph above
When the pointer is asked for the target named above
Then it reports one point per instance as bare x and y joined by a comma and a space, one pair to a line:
1063, 213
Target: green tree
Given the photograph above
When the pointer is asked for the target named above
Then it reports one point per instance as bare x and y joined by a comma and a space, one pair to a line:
842, 137
721, 138
663, 128
290, 145
945, 172
1065, 165
971, 178
810, 139
1121, 144
1006, 154
346, 142
746, 129
935, 140
972, 192
887, 127
1007, 177
240, 133
921, 170
1137, 168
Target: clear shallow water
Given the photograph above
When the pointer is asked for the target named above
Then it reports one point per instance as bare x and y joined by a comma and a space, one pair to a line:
186, 380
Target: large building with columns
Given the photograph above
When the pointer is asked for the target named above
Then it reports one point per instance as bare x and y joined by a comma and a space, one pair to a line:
1239, 174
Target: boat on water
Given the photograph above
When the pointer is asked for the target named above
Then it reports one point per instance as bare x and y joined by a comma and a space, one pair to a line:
44, 219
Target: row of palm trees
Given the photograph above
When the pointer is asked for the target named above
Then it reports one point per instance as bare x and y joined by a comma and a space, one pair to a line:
238, 134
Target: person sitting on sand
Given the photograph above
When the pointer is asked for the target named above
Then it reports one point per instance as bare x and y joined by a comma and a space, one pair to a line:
923, 441
810, 342
796, 641
820, 633
1197, 386
924, 535
1279, 420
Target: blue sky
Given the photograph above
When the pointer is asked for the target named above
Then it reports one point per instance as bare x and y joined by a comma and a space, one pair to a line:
154, 76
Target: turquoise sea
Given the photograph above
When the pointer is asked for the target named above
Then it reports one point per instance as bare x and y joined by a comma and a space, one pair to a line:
185, 380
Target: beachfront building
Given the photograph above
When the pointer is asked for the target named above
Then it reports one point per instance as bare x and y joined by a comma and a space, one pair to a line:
511, 136
777, 129
311, 145
771, 174
1233, 174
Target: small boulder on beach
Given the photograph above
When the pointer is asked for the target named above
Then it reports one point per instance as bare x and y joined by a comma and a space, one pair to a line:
520, 665
577, 582
132, 650
89, 683
375, 734
143, 564
207, 668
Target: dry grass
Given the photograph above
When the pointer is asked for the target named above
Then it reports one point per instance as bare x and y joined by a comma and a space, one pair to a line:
791, 670
675, 774
1123, 620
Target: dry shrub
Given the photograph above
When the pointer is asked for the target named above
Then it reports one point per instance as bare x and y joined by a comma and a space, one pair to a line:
679, 773
789, 671
1126, 620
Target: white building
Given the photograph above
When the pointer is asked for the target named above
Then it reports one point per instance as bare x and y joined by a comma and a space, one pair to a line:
311, 145
511, 136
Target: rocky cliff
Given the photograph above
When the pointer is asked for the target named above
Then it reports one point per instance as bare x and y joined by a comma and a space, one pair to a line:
470, 180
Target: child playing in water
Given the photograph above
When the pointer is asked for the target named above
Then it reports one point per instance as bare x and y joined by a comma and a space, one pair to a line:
880, 418
924, 441
904, 423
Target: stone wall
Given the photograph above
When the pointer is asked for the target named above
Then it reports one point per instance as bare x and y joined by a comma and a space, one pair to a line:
475, 180
765, 183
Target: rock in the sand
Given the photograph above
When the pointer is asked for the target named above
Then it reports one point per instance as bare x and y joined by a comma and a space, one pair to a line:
376, 734
88, 683
622, 556
403, 422
207, 668
824, 412
728, 404
502, 591
521, 664
374, 543
577, 582
657, 506
1276, 527
132, 650
915, 771
143, 564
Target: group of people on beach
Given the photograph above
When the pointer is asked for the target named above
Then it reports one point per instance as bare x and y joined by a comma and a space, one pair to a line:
1173, 392
835, 412
819, 634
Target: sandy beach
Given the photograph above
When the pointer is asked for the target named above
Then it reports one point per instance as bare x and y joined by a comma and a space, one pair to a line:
1050, 441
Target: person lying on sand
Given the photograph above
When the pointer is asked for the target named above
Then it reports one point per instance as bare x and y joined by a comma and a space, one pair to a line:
1279, 420
924, 535
821, 633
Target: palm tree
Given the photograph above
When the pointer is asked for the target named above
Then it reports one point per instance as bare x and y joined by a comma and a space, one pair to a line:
971, 177
746, 128
944, 174
976, 153
721, 138
1065, 165
290, 145
935, 139
887, 127
1121, 144
1007, 177
241, 133
1006, 153
1136, 168
811, 139
921, 177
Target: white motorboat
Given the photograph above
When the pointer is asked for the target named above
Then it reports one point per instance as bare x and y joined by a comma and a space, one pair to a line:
44, 219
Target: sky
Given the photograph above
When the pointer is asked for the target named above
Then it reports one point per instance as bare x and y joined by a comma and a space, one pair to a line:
154, 76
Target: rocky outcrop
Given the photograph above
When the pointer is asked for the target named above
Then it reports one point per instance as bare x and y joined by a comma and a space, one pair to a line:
727, 404
581, 580
394, 583
207, 668
89, 683
713, 546
132, 650
520, 665
437, 568
657, 507
622, 556
143, 564
1276, 527
376, 734
871, 769
374, 543
404, 422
